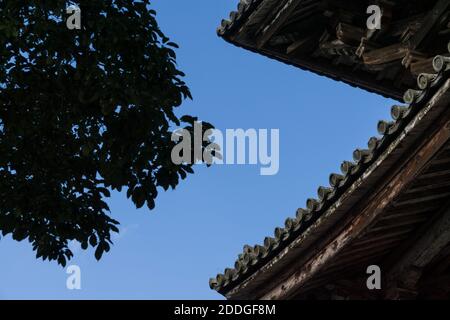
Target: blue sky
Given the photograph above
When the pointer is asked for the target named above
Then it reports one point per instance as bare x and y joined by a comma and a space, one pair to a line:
198, 229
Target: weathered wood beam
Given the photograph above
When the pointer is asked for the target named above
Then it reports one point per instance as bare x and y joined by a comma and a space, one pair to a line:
419, 199
367, 248
419, 208
357, 262
382, 236
385, 55
437, 174
349, 34
436, 166
422, 66
390, 226
412, 57
435, 238
352, 289
403, 214
354, 7
277, 22
297, 45
419, 251
359, 78
365, 45
302, 44
308, 9
442, 160
376, 206
401, 27
429, 187
431, 20
431, 180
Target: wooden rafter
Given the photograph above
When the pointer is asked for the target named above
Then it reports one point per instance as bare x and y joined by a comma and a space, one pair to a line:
277, 22
385, 55
416, 254
349, 34
431, 20
299, 44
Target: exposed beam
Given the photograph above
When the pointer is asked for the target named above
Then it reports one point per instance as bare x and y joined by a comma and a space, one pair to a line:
349, 34
390, 226
367, 249
435, 238
355, 262
353, 289
419, 251
358, 78
419, 199
431, 20
277, 22
385, 55
422, 66
400, 215
301, 44
443, 160
412, 57
435, 174
402, 233
412, 23
428, 187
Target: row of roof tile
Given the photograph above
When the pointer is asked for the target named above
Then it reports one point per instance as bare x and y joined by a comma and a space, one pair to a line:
244, 7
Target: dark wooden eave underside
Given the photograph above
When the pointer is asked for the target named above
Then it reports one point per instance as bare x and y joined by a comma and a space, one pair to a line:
329, 37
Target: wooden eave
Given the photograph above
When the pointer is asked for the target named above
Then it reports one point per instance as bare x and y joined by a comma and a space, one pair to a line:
350, 193
329, 37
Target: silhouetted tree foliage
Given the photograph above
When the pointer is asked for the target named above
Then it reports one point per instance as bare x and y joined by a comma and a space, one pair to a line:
83, 112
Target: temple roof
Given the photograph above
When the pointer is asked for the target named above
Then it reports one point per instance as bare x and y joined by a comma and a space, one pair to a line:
346, 188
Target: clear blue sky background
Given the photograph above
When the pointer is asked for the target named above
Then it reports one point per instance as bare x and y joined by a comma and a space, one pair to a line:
198, 229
